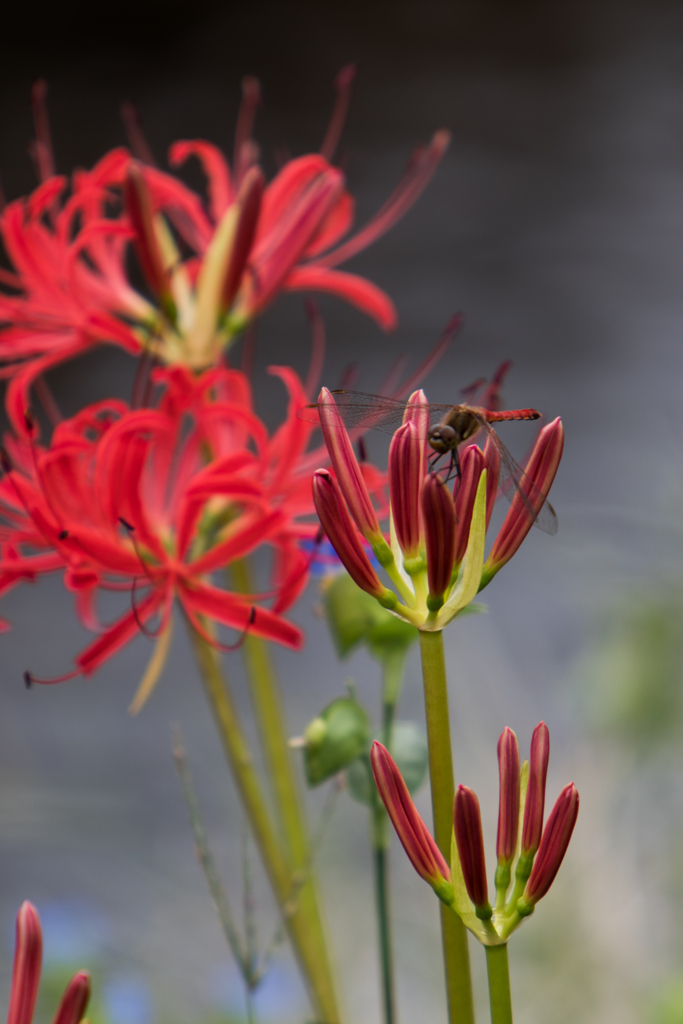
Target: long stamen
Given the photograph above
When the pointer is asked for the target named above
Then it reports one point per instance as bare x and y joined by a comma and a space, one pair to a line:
142, 384
130, 115
30, 679
216, 644
317, 347
342, 84
416, 177
43, 153
251, 97
418, 375
47, 400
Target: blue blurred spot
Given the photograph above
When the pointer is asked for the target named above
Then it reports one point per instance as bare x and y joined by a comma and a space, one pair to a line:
73, 931
128, 1000
279, 995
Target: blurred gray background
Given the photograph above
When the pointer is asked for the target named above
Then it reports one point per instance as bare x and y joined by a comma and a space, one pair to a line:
556, 224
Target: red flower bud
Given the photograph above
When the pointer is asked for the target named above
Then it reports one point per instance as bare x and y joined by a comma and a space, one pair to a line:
338, 526
28, 954
492, 466
470, 842
438, 515
471, 467
556, 836
346, 468
535, 794
139, 207
405, 477
249, 202
540, 470
421, 848
72, 1007
508, 807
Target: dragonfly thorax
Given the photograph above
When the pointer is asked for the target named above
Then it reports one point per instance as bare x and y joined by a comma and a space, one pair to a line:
457, 426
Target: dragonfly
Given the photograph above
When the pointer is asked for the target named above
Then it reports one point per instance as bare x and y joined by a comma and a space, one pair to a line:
449, 427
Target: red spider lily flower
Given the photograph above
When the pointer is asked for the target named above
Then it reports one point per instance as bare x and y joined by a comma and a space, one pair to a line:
26, 976
470, 840
68, 289
536, 865
435, 559
156, 501
417, 841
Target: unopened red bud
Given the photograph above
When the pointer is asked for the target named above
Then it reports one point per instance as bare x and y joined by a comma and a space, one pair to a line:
508, 807
492, 466
556, 836
249, 202
346, 468
73, 1004
471, 467
140, 211
417, 841
28, 954
470, 842
339, 527
527, 503
438, 516
405, 478
535, 794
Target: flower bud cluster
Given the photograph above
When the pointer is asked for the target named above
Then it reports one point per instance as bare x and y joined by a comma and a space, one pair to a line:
435, 554
527, 863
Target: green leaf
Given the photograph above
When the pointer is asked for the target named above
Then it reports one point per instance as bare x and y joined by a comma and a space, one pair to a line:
409, 751
334, 739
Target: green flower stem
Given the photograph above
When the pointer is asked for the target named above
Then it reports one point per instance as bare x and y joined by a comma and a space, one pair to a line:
393, 665
499, 984
271, 722
381, 859
455, 950
276, 864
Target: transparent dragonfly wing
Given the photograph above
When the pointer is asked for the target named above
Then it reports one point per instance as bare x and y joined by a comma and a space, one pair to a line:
516, 484
359, 409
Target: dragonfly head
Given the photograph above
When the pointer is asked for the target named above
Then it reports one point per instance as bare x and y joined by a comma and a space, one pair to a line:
442, 438
457, 426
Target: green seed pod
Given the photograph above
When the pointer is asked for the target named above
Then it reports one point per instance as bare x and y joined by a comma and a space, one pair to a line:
355, 617
334, 739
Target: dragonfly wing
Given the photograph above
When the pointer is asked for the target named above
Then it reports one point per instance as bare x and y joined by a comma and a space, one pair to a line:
365, 411
517, 486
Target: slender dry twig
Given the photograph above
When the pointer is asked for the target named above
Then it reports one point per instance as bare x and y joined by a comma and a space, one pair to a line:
208, 864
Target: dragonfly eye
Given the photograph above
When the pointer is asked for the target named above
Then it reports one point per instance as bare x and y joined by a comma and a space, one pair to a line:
445, 433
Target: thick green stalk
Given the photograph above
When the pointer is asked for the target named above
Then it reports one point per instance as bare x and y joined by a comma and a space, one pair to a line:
454, 936
271, 723
276, 864
499, 984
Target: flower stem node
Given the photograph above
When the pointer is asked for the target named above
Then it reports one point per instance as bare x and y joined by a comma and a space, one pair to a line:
524, 908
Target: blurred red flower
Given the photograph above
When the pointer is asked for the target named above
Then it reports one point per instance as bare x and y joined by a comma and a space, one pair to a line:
155, 501
210, 267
